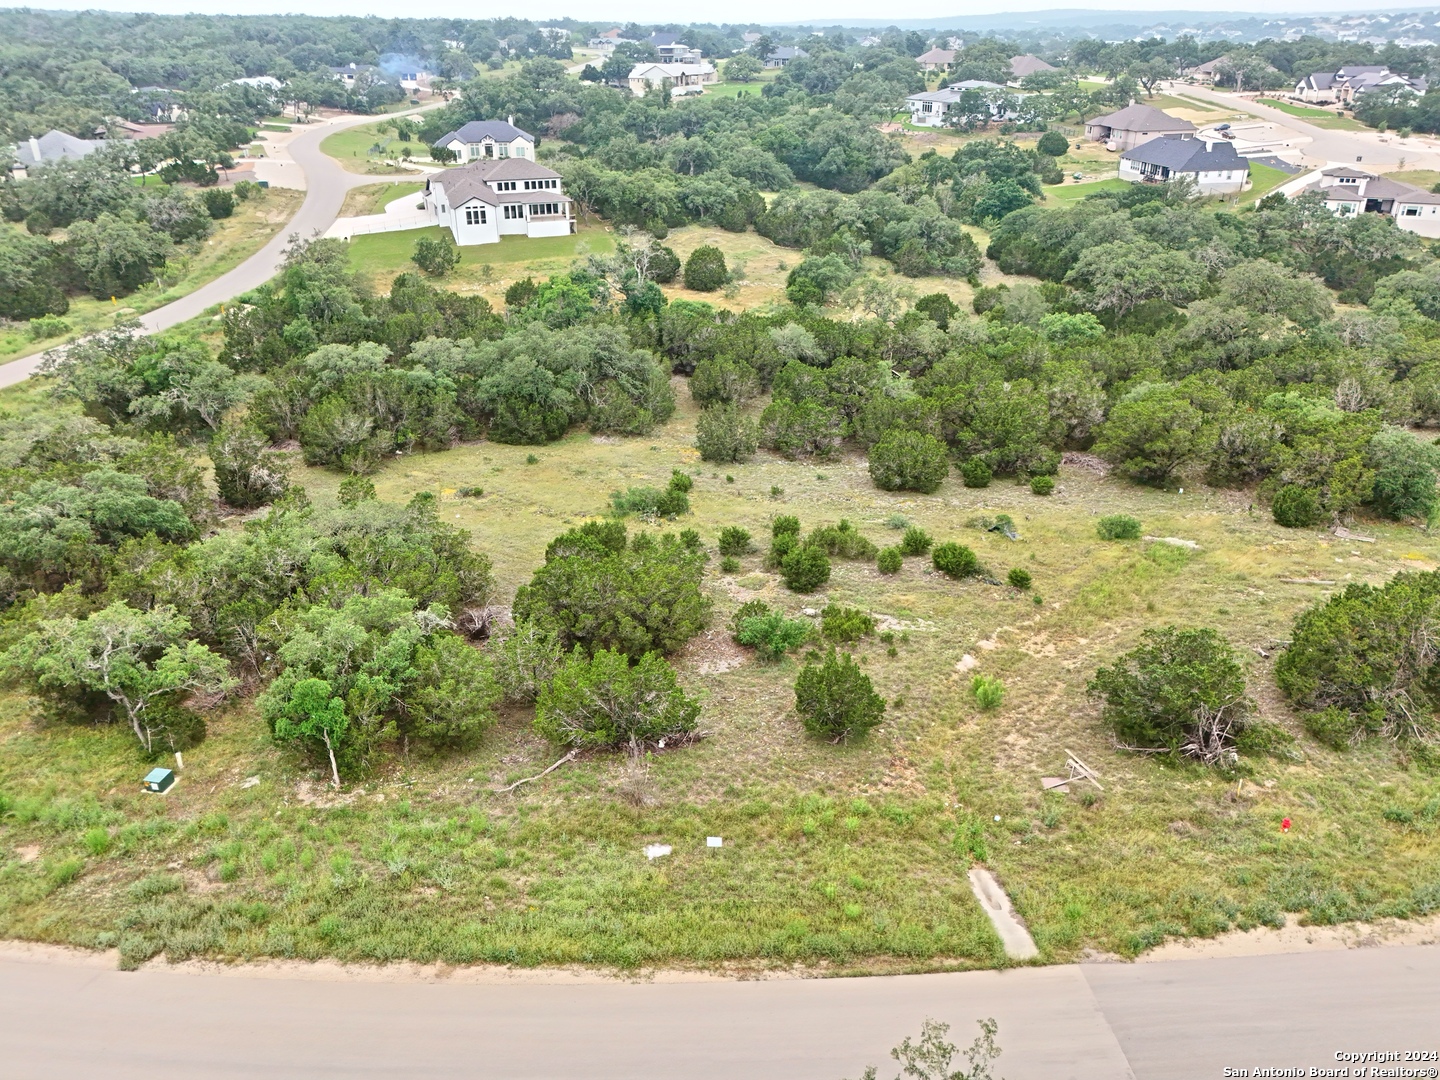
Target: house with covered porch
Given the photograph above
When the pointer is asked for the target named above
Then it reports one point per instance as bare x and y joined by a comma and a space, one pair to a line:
487, 199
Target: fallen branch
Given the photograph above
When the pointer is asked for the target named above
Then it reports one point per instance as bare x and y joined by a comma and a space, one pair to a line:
1346, 534
568, 757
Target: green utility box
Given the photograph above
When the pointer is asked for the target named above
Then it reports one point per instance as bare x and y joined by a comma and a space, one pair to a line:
158, 780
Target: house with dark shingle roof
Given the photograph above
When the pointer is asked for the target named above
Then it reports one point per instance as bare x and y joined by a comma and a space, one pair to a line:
936, 59
778, 58
54, 146
1133, 125
1212, 165
1025, 65
495, 197
482, 139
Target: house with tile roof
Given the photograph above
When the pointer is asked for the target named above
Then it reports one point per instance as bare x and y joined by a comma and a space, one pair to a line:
1348, 191
494, 197
485, 139
1133, 125
1212, 165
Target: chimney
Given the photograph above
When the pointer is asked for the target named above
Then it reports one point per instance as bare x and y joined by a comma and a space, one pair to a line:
510, 119
35, 149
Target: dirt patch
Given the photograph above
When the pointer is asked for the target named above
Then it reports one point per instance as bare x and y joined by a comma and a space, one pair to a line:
1293, 937
966, 663
1086, 462
713, 653
28, 852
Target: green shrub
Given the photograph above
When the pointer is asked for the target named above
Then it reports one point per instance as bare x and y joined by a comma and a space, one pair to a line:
908, 461
735, 541
604, 702
681, 482
1296, 507
805, 568
1052, 144
48, 326
1363, 663
989, 691
1019, 577
842, 541
841, 623
955, 560
782, 545
785, 523
649, 502
1042, 485
1179, 690
437, 256
219, 203
724, 434
729, 565
976, 472
751, 609
355, 490
595, 590
97, 841
772, 635
247, 472
889, 561
916, 541
836, 699
705, 269
1118, 527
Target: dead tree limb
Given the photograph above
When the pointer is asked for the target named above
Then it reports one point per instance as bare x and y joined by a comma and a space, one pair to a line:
568, 757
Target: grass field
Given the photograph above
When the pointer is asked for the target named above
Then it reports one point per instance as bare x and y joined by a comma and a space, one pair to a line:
383, 255
1068, 193
235, 239
1421, 178
1321, 118
373, 198
352, 147
837, 859
1263, 180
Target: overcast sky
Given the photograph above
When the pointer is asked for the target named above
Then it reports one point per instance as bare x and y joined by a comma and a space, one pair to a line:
819, 12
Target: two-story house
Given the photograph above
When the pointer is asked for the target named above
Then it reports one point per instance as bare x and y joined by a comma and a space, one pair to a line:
931, 107
481, 140
1348, 191
672, 50
1344, 86
490, 198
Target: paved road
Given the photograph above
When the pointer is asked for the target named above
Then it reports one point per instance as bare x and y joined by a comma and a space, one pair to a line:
1327, 145
326, 185
1172, 1020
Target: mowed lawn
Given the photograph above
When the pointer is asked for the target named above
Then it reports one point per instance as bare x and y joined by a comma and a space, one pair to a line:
1068, 193
1322, 118
1263, 180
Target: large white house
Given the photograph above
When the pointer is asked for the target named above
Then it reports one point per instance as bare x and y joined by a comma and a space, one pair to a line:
495, 197
930, 107
683, 78
481, 140
1212, 165
1348, 192
1349, 83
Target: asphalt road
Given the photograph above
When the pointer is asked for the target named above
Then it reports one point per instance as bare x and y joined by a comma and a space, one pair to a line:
1327, 145
1173, 1020
326, 185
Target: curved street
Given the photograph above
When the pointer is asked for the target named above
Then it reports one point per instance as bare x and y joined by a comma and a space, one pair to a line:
1379, 153
325, 183
76, 1016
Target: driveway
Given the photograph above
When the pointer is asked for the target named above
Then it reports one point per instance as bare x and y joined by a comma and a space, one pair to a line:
325, 184
1380, 153
1171, 1020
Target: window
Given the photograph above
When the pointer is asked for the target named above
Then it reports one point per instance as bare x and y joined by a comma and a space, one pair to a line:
505, 185
474, 215
544, 209
519, 150
504, 150
1411, 211
513, 211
